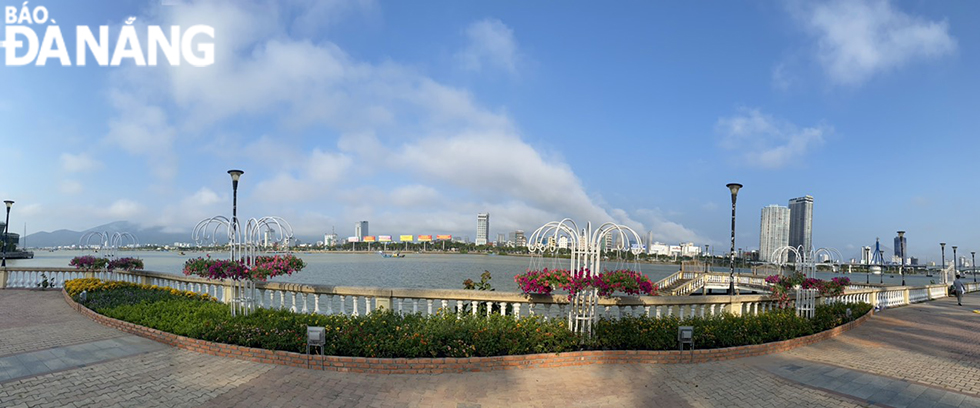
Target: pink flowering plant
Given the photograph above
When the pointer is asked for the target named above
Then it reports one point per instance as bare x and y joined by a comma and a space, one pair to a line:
88, 262
781, 287
126, 264
545, 281
263, 268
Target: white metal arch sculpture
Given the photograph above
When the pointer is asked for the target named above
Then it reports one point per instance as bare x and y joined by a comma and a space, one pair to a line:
586, 257
243, 246
107, 243
806, 260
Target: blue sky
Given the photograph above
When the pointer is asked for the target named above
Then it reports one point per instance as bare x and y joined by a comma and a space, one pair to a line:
417, 116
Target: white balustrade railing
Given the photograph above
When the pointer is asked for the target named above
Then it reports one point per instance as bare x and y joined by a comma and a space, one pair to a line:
328, 300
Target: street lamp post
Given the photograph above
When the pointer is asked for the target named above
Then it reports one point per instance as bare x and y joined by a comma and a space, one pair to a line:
6, 229
901, 244
733, 187
235, 175
942, 268
706, 260
973, 263
956, 267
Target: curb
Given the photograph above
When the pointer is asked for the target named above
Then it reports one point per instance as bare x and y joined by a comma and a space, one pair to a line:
459, 365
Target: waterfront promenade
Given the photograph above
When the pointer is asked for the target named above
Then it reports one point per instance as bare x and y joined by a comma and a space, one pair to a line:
923, 355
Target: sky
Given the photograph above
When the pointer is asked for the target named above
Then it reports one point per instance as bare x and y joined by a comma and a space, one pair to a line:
417, 116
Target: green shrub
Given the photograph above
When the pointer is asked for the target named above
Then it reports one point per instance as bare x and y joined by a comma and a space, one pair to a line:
647, 333
387, 334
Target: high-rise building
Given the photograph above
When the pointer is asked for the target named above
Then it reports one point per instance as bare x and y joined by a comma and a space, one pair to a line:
899, 243
865, 255
773, 232
519, 239
501, 239
482, 228
801, 224
361, 230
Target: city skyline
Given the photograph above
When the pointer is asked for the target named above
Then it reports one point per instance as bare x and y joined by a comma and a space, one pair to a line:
417, 116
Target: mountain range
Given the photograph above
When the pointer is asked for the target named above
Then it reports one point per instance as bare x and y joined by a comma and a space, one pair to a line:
144, 236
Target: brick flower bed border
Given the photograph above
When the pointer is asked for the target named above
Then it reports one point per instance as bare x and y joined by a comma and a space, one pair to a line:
459, 365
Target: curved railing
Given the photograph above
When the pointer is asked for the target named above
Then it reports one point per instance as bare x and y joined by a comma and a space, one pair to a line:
348, 300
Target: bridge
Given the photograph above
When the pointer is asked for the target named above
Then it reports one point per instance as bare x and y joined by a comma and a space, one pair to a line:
683, 283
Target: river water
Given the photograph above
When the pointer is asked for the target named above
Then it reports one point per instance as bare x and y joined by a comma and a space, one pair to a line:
437, 271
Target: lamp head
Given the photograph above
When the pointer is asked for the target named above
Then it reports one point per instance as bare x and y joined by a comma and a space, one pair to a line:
734, 187
9, 203
235, 174
901, 234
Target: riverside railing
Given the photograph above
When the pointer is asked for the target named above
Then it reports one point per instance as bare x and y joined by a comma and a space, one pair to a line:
328, 300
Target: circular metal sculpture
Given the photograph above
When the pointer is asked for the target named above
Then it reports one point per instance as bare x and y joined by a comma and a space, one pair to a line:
586, 246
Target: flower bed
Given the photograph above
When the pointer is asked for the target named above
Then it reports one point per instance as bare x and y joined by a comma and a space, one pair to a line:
386, 334
88, 262
783, 286
607, 283
263, 267
125, 263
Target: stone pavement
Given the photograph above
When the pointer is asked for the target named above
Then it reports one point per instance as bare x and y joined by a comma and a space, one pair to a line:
925, 355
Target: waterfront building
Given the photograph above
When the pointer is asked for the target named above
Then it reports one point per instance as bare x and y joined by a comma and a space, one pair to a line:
801, 223
501, 239
865, 255
482, 228
773, 232
361, 229
329, 240
899, 242
518, 238
658, 248
563, 243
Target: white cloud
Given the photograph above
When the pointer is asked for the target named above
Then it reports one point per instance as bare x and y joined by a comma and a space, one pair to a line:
124, 209
79, 162
491, 45
768, 142
70, 187
355, 140
414, 196
857, 39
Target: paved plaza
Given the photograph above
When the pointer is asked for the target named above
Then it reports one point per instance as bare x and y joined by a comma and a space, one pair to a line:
924, 355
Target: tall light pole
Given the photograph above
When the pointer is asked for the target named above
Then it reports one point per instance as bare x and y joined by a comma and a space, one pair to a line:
235, 175
973, 254
706, 268
901, 244
731, 283
956, 268
6, 229
942, 268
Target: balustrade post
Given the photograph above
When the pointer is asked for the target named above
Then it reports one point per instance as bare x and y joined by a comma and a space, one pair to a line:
735, 307
3, 278
382, 303
228, 292
905, 296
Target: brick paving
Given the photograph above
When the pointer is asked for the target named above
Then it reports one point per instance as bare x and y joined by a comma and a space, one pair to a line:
921, 355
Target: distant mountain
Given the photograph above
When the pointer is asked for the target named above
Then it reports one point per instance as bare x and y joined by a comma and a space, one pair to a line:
152, 235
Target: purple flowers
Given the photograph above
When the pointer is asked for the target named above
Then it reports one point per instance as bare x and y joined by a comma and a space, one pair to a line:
88, 262
263, 267
546, 281
126, 264
781, 286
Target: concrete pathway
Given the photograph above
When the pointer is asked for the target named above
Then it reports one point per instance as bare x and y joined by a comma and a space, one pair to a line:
925, 355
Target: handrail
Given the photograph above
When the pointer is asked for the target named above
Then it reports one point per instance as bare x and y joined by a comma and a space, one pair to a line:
328, 299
